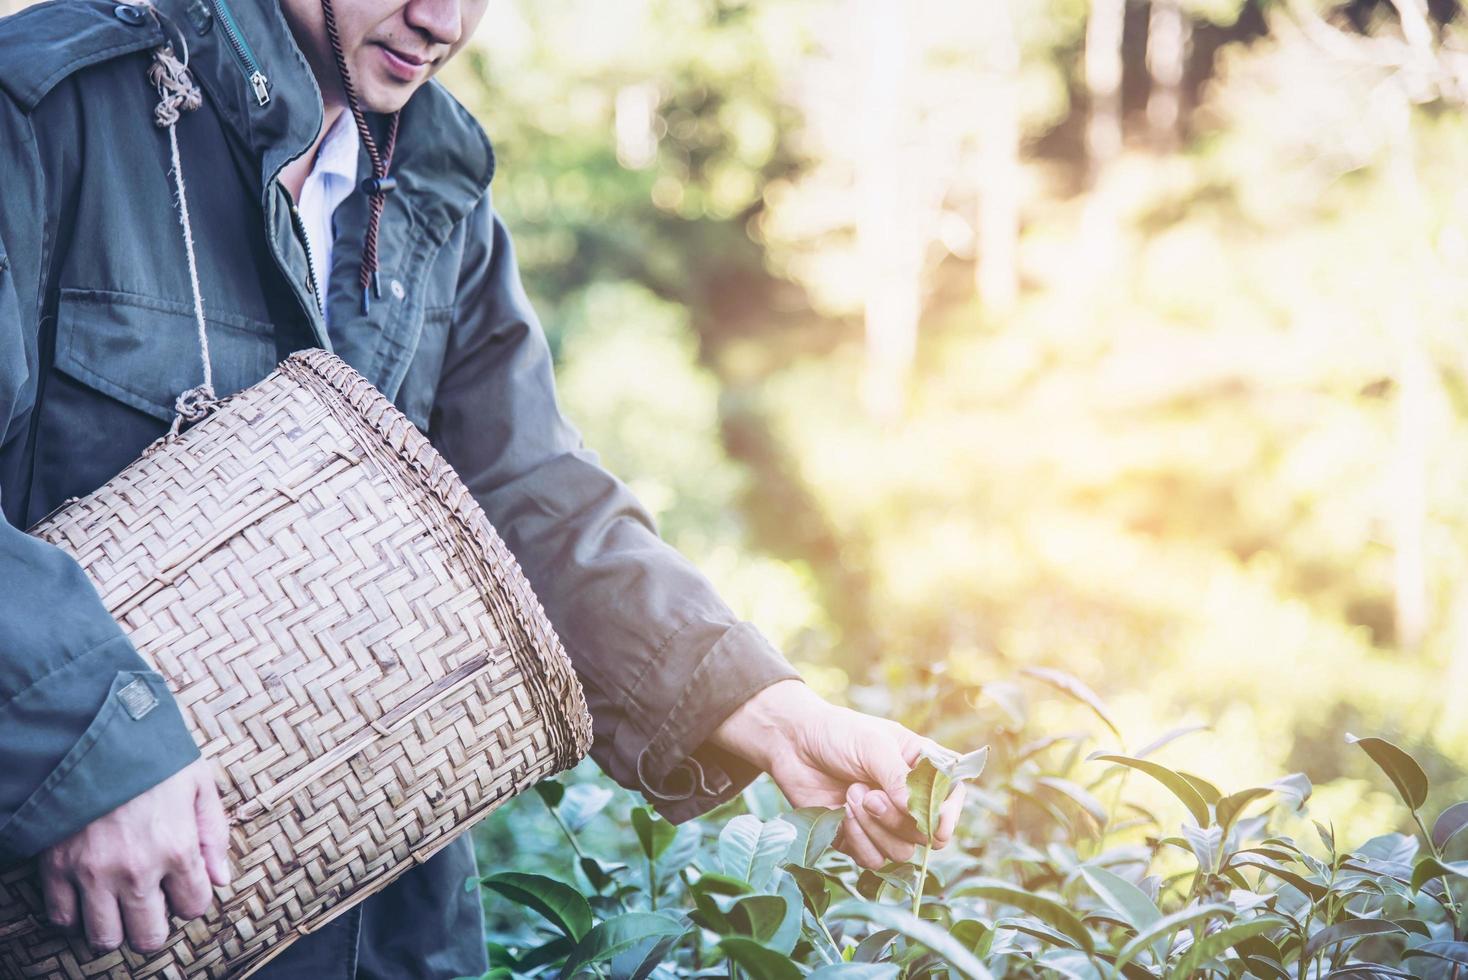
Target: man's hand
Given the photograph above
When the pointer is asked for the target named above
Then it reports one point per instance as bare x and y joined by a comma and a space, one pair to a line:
124, 871
823, 755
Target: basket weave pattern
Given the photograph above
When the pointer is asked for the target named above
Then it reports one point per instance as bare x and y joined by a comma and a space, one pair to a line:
349, 640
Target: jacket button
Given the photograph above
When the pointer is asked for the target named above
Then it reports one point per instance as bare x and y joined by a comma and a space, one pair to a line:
397, 290
129, 14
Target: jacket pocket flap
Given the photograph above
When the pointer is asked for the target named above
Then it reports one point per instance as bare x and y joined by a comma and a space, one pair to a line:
144, 351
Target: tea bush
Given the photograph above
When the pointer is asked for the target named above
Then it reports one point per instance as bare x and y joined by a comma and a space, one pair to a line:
1057, 870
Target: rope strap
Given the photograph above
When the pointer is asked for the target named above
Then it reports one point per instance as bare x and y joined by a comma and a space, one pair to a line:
177, 94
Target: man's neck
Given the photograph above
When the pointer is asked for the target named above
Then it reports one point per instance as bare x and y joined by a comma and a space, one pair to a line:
295, 173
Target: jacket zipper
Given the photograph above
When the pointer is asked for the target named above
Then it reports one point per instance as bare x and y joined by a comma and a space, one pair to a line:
259, 84
300, 226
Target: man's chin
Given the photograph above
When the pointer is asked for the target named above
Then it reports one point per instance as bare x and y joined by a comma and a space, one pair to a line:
386, 98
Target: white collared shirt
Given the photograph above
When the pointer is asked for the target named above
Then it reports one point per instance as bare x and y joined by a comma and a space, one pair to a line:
331, 179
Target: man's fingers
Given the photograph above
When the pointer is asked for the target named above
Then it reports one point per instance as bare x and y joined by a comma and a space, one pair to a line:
188, 891
888, 845
854, 840
145, 919
213, 830
893, 819
102, 919
60, 895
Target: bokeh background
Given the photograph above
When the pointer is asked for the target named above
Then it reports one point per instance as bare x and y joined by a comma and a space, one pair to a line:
955, 336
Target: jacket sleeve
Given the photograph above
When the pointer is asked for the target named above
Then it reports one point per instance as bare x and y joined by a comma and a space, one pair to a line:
85, 725
662, 658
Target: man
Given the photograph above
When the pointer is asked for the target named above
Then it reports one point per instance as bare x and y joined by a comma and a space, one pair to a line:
97, 339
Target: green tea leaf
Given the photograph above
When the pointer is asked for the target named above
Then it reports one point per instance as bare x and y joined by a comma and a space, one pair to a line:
562, 905
582, 802
919, 931
761, 962
814, 888
1045, 909
1440, 949
856, 971
1348, 931
1211, 794
870, 949
545, 954
1229, 808
1404, 772
1121, 896
1180, 787
1082, 798
679, 854
927, 788
1167, 924
1314, 890
1430, 868
638, 961
970, 766
976, 937
1211, 945
751, 848
758, 916
1449, 824
1066, 684
815, 829
551, 791
653, 832
787, 933
714, 883
617, 934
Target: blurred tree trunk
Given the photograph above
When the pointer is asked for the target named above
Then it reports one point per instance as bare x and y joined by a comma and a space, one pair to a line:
891, 262
997, 274
1169, 35
1103, 82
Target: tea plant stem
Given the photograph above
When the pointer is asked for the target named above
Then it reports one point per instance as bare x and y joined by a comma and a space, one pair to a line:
652, 884
1447, 888
564, 829
917, 891
825, 930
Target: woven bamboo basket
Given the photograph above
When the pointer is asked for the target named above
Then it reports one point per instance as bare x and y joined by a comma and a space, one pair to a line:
351, 645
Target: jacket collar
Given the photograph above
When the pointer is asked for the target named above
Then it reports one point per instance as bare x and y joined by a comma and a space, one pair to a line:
443, 160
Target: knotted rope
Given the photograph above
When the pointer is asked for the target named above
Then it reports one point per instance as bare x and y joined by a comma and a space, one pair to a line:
178, 93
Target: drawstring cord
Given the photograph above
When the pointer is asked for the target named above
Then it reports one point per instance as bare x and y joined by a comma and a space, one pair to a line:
379, 184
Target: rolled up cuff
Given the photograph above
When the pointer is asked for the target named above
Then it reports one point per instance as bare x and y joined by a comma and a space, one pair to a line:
682, 775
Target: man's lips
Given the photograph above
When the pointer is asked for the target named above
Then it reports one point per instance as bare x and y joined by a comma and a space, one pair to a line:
402, 64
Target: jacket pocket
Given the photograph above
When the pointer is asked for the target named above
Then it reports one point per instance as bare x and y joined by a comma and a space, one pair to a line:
144, 351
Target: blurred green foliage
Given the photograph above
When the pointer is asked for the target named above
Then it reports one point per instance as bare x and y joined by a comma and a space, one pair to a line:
1208, 462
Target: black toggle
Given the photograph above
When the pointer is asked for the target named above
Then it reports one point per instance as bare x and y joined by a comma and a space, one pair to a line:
377, 186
